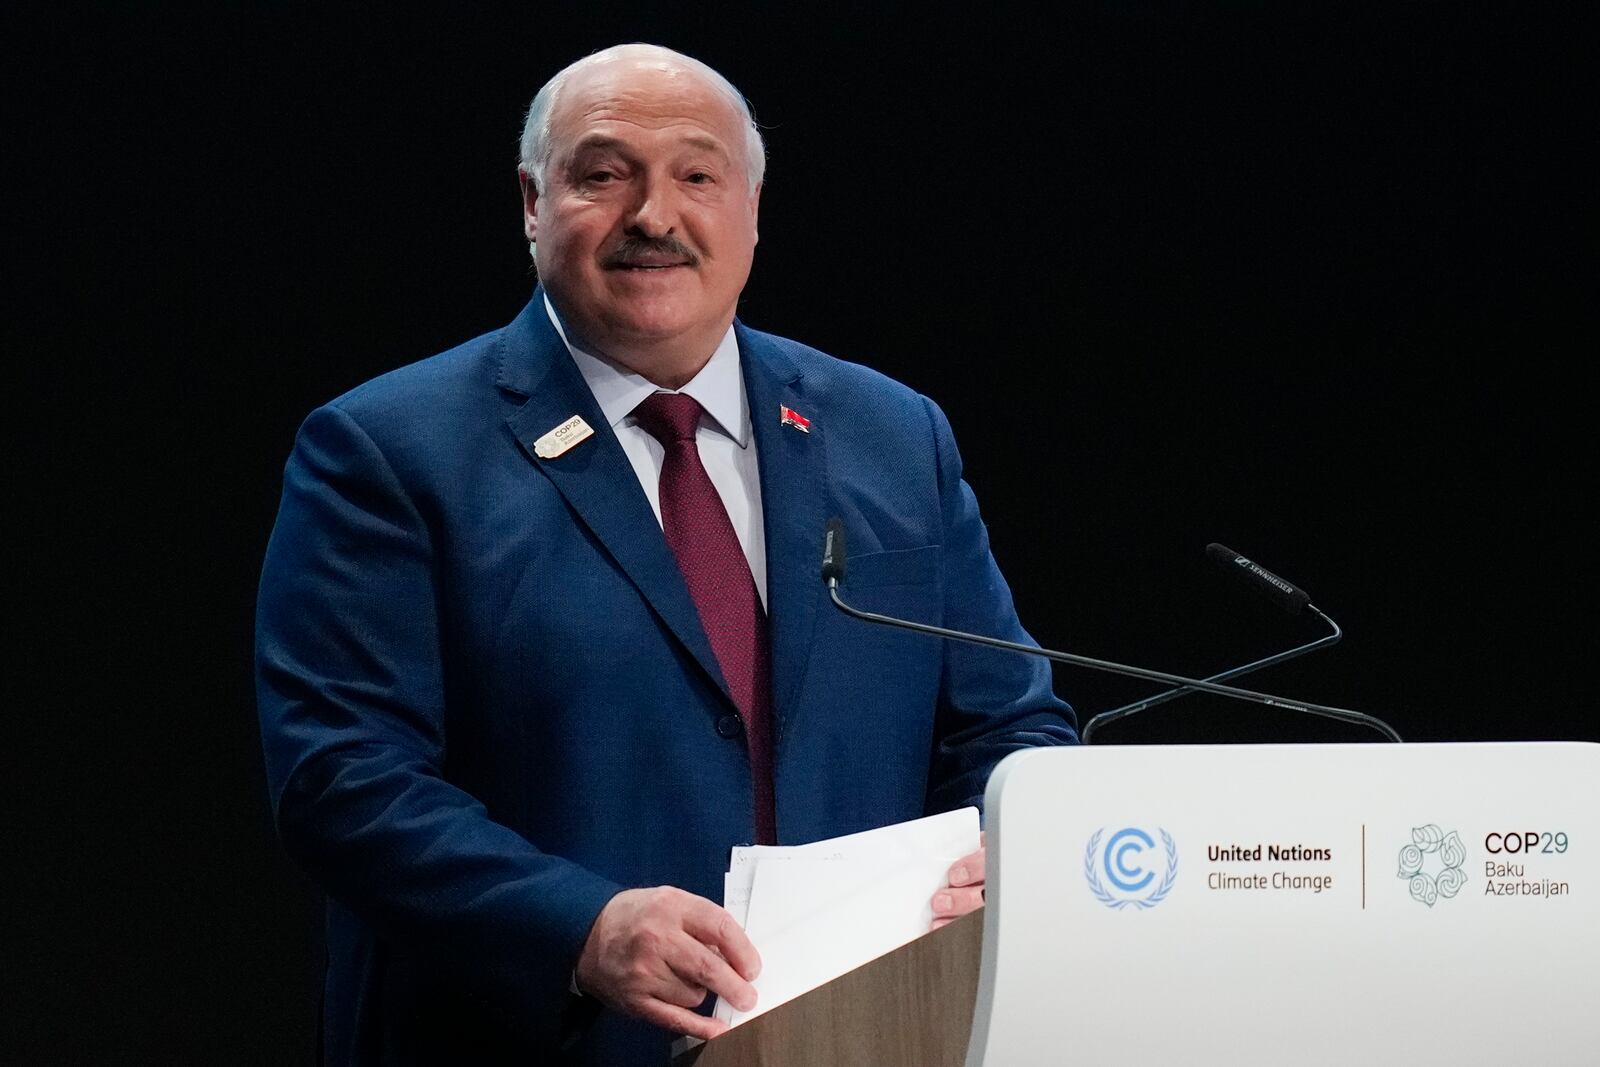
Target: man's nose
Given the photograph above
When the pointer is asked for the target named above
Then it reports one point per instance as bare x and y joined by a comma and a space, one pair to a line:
651, 214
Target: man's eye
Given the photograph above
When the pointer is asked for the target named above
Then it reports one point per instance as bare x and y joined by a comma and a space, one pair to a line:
700, 177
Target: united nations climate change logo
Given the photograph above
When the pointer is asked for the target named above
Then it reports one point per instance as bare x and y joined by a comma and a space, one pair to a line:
1432, 864
1129, 869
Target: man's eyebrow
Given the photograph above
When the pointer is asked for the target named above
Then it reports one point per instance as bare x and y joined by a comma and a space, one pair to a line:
597, 142
710, 144
602, 142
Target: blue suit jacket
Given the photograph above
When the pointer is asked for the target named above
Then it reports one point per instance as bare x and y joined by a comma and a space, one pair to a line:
487, 703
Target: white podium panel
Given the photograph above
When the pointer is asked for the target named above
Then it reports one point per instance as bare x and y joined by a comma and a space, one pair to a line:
1279, 904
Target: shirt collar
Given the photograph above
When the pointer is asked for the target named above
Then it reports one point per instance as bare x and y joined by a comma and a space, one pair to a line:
719, 387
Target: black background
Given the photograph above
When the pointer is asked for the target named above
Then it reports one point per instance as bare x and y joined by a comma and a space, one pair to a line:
1305, 282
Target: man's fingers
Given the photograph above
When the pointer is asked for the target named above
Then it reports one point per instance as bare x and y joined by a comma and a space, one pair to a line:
970, 870
964, 890
950, 903
655, 953
697, 965
717, 928
679, 989
679, 1020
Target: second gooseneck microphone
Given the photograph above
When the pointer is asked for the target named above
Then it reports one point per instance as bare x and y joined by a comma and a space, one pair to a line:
833, 572
1275, 589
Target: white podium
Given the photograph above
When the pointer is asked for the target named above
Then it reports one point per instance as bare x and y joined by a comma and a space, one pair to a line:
1333, 904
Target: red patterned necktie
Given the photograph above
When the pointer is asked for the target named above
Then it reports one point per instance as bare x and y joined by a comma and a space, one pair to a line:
701, 536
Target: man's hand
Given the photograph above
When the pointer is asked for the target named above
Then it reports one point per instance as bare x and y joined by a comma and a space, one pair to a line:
655, 953
963, 891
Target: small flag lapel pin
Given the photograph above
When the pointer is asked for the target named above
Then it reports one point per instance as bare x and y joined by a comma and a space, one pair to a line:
790, 417
570, 433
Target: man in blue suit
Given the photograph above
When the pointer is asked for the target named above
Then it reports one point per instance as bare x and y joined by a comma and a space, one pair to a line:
541, 633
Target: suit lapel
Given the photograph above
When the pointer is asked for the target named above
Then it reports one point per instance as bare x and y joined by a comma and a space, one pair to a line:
794, 506
594, 476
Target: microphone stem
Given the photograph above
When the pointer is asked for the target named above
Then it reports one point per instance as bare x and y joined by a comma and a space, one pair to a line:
1106, 718
1356, 718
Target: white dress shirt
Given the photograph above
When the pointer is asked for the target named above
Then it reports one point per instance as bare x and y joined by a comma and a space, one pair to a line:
727, 446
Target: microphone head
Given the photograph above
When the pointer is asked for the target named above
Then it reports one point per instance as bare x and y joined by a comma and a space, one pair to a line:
1280, 592
833, 551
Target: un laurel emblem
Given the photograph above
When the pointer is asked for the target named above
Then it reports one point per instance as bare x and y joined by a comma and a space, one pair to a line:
1129, 871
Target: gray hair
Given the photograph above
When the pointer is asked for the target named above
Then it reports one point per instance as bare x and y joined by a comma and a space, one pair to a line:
534, 153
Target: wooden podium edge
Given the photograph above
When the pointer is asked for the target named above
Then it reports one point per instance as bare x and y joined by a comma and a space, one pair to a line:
908, 1008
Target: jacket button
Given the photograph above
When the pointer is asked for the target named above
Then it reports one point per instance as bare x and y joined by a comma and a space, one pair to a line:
729, 726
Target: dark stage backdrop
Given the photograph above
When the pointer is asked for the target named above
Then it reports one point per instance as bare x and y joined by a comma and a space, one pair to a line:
1307, 283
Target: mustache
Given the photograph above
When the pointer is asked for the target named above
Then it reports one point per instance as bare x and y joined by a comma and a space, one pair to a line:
633, 248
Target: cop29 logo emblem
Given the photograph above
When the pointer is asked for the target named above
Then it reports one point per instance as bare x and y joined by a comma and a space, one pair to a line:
1431, 864
1129, 870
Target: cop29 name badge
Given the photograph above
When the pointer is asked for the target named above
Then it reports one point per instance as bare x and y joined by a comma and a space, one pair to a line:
1130, 869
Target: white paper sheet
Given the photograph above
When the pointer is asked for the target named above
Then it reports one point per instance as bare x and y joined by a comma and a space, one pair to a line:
819, 910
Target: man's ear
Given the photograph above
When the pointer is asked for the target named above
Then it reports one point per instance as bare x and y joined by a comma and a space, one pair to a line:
755, 212
530, 205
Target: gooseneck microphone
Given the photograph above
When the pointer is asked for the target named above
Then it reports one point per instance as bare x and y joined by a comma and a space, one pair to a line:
1280, 592
833, 573
1275, 589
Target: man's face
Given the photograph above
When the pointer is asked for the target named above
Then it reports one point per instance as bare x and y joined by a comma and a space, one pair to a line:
645, 223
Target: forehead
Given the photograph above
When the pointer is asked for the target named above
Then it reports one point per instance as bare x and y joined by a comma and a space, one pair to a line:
620, 97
